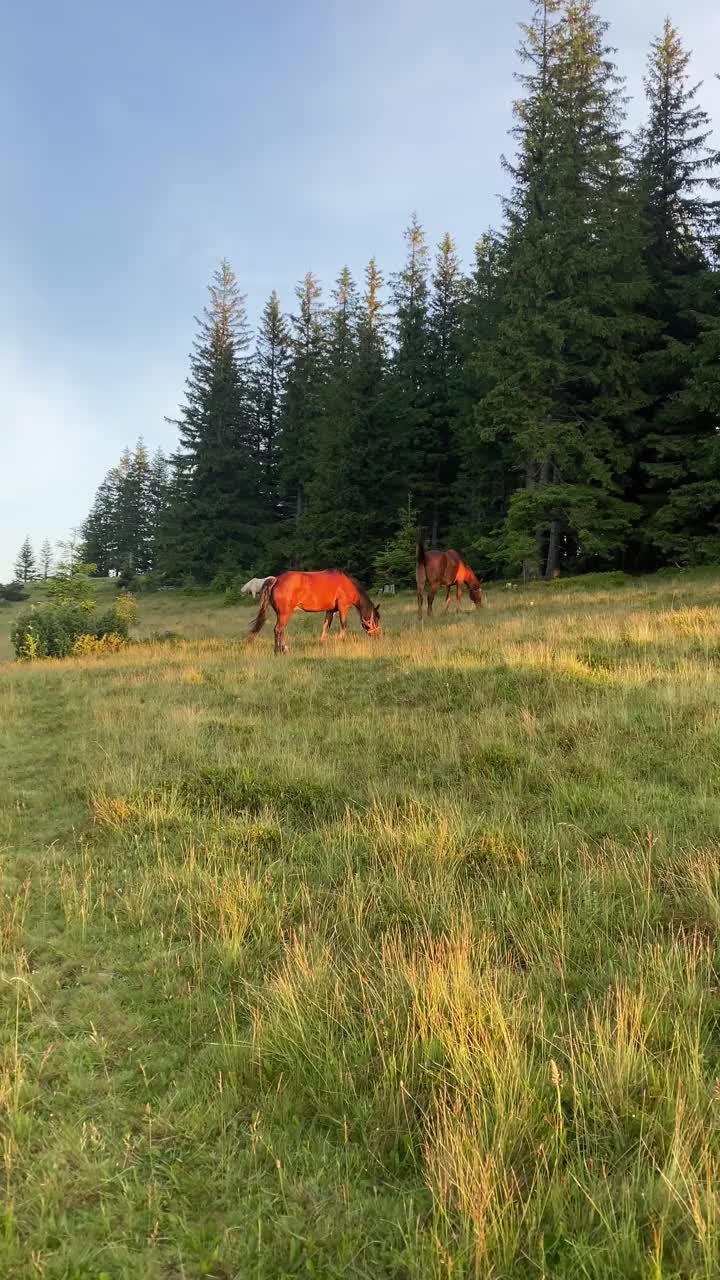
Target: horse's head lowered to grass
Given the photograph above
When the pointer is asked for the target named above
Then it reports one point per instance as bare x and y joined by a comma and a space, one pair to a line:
371, 619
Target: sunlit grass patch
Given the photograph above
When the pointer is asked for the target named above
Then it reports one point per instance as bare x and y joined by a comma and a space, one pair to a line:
390, 959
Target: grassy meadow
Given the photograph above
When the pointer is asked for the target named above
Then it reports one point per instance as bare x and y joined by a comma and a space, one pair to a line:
393, 959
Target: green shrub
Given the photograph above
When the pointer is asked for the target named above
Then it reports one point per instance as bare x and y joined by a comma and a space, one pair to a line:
13, 591
51, 631
73, 588
126, 607
47, 632
396, 562
89, 646
104, 623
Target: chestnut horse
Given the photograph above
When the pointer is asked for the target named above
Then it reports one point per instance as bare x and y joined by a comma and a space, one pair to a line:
443, 569
329, 591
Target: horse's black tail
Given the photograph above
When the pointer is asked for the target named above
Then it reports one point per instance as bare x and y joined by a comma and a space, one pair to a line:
265, 594
420, 549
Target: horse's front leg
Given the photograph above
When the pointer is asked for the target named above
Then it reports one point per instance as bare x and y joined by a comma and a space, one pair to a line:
343, 613
330, 614
458, 590
447, 598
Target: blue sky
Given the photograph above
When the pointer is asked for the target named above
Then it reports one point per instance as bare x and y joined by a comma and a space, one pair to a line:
141, 142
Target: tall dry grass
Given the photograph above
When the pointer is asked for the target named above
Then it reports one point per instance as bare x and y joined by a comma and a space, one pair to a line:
393, 959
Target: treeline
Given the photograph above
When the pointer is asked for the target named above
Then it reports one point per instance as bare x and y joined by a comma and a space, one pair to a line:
28, 566
121, 533
557, 407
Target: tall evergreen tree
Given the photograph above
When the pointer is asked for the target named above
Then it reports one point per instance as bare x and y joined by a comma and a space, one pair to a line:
488, 463
565, 362
414, 455
99, 529
301, 413
444, 379
687, 526
271, 359
677, 167
331, 523
132, 511
25, 563
214, 518
46, 559
373, 426
677, 172
158, 494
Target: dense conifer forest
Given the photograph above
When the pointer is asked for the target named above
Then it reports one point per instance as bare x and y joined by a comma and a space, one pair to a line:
554, 407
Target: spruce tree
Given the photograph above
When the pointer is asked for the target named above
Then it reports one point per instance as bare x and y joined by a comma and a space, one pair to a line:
46, 559
157, 499
99, 529
364, 457
397, 560
374, 477
270, 371
331, 531
565, 382
677, 168
131, 540
686, 526
213, 522
25, 563
488, 464
677, 173
414, 458
300, 418
444, 380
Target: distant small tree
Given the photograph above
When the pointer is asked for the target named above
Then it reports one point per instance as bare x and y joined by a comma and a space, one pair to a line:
25, 563
73, 550
46, 559
396, 562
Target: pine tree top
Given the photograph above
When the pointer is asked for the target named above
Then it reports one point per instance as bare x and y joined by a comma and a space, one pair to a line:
677, 167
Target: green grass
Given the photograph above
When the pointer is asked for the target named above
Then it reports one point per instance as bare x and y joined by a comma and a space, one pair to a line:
387, 960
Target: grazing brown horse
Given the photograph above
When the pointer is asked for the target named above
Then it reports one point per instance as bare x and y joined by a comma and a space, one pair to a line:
329, 591
443, 569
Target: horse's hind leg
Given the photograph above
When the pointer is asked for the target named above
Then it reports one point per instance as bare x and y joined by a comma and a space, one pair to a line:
327, 624
431, 597
420, 578
280, 645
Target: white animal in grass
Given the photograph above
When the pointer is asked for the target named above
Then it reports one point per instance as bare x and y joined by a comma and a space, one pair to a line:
253, 587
